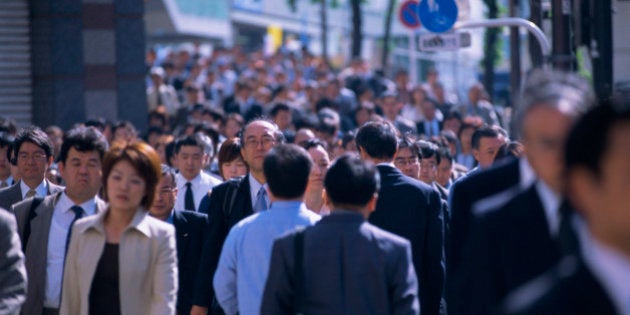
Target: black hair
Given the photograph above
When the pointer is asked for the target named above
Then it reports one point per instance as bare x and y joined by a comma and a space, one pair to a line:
351, 181
278, 108
8, 125
98, 123
407, 142
33, 135
378, 139
195, 140
287, 167
169, 151
588, 139
512, 149
313, 143
486, 131
428, 150
6, 139
83, 139
444, 154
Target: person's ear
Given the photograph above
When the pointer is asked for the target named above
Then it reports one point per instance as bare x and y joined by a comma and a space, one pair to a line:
371, 206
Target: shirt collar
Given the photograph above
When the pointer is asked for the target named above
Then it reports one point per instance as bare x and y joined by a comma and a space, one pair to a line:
182, 180
41, 189
138, 222
287, 205
526, 173
551, 204
254, 184
610, 267
65, 203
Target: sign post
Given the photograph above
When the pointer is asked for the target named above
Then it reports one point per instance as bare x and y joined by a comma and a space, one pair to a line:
408, 16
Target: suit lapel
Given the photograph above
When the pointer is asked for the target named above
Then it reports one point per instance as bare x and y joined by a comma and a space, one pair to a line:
246, 199
37, 248
182, 234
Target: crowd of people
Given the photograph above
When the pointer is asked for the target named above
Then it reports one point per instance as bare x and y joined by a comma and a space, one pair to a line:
270, 185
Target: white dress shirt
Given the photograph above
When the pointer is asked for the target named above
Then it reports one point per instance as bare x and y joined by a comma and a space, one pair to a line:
200, 187
551, 204
41, 190
609, 266
57, 237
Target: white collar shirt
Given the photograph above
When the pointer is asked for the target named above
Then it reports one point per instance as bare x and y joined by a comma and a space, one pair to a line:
200, 186
551, 204
41, 190
255, 186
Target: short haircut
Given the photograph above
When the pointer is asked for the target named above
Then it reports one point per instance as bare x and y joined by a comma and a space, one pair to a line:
428, 150
98, 123
512, 149
407, 142
555, 89
279, 108
167, 170
6, 139
351, 181
486, 131
278, 135
83, 139
314, 143
287, 167
444, 154
197, 139
230, 151
125, 124
144, 160
587, 142
378, 139
33, 135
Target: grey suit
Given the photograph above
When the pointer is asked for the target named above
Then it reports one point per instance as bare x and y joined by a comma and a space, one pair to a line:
13, 194
12, 271
349, 267
37, 248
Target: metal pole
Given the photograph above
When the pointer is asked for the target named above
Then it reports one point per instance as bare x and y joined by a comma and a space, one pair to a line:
535, 16
515, 54
563, 57
413, 64
601, 49
540, 36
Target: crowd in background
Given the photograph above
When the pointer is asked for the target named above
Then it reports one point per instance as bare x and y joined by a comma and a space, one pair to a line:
405, 199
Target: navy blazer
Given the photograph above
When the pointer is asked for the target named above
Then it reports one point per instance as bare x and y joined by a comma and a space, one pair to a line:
464, 193
509, 247
349, 267
413, 210
190, 231
218, 228
568, 289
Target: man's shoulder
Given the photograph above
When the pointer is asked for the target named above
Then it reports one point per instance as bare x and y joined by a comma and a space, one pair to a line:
382, 236
568, 288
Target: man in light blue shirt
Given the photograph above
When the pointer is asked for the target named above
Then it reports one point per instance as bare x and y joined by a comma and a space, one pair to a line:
240, 278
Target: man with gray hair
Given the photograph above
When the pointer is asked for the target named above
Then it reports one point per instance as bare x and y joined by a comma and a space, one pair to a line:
521, 232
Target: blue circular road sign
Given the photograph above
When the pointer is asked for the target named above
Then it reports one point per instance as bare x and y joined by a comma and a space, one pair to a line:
437, 16
408, 14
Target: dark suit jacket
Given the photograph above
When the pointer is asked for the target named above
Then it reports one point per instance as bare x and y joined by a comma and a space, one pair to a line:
509, 247
13, 273
349, 267
13, 194
190, 232
568, 289
464, 193
413, 210
218, 228
36, 252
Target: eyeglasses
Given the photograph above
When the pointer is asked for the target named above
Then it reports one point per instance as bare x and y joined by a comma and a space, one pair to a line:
407, 161
254, 143
166, 191
23, 156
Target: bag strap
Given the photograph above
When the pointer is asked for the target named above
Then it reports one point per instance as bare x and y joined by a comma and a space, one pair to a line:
31, 215
298, 245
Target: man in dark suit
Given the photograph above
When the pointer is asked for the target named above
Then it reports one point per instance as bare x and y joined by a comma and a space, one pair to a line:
232, 201
522, 238
12, 274
45, 228
6, 142
596, 281
409, 208
375, 273
190, 230
32, 153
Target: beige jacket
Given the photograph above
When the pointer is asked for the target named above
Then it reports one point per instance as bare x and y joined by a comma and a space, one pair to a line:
147, 266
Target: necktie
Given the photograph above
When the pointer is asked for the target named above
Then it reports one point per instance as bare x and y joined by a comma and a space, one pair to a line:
31, 193
261, 200
567, 240
78, 214
189, 202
